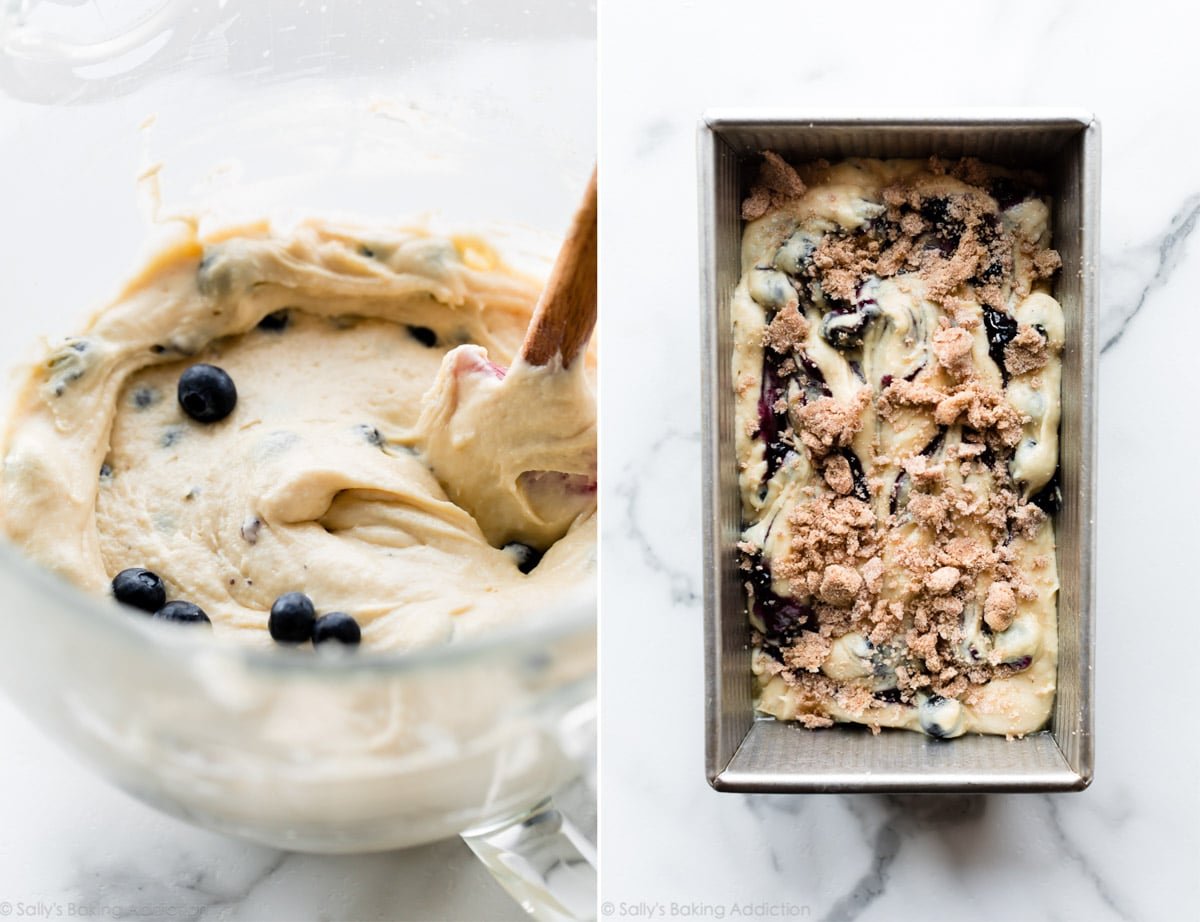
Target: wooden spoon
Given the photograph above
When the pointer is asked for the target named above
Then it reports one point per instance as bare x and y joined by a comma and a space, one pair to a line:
566, 312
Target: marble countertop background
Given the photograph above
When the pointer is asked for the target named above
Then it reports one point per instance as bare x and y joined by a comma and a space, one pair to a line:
1129, 847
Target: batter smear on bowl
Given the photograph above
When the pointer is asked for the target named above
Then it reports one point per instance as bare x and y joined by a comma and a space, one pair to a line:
897, 367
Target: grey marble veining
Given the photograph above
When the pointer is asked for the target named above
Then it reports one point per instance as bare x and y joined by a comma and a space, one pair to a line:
1161, 255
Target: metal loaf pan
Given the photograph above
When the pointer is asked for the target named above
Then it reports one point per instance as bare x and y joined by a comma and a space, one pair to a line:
745, 752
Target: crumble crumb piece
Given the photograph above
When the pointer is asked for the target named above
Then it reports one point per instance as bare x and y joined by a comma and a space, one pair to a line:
1026, 519
904, 393
942, 580
787, 330
923, 472
826, 424
872, 574
809, 652
839, 585
930, 509
838, 475
1046, 263
777, 182
953, 346
815, 721
1000, 606
1026, 351
984, 409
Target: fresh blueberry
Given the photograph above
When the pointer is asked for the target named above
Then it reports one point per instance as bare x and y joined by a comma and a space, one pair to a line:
182, 613
339, 626
140, 588
292, 618
527, 557
206, 393
275, 321
425, 336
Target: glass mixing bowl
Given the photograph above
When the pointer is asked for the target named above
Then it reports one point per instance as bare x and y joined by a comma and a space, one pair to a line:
479, 116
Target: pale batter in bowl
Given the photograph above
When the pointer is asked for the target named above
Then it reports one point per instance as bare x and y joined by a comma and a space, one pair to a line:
376, 385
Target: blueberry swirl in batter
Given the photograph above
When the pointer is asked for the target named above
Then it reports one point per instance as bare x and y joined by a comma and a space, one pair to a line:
897, 365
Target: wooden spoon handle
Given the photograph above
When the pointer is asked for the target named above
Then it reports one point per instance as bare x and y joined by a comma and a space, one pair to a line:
566, 312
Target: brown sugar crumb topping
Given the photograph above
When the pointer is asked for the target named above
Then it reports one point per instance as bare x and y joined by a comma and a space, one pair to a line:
827, 424
839, 585
1026, 351
786, 331
944, 233
808, 653
1046, 263
1000, 606
952, 346
838, 475
777, 182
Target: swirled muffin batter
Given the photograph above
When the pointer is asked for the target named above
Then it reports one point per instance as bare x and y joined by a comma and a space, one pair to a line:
897, 366
378, 398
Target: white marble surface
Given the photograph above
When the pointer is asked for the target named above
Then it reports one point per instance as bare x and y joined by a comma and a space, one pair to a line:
1128, 847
